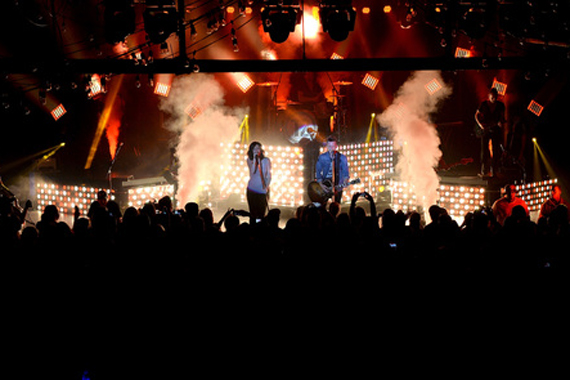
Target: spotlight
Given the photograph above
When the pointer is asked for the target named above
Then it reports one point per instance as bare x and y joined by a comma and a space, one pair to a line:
244, 82
95, 86
337, 18
58, 112
160, 22
433, 86
535, 107
500, 86
370, 81
162, 89
462, 53
279, 19
194, 109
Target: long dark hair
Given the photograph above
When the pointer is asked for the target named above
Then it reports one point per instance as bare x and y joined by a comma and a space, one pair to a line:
250, 150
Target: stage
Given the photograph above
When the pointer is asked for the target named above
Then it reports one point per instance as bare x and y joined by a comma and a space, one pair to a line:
374, 164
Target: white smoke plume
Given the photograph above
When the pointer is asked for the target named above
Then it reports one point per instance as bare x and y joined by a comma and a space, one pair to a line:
407, 119
198, 149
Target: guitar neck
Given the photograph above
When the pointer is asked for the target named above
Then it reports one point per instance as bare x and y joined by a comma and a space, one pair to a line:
342, 186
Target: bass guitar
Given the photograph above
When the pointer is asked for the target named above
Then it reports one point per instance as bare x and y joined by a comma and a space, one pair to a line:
322, 192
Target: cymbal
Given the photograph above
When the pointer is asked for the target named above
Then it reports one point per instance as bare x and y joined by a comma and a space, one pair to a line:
267, 84
342, 83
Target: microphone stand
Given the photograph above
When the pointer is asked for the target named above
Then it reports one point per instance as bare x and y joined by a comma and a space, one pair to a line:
110, 170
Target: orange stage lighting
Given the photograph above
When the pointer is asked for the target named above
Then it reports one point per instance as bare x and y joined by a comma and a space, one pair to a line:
370, 81
366, 10
245, 83
433, 86
336, 56
110, 103
500, 86
387, 9
95, 86
58, 112
462, 53
194, 110
535, 108
312, 23
162, 89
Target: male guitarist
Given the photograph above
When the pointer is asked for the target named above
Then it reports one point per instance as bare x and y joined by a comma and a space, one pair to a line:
490, 118
332, 169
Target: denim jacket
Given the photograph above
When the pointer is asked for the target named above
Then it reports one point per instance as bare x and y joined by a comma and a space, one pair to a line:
323, 168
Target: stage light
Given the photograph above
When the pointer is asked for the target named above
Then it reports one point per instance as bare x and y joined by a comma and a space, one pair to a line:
119, 17
311, 23
160, 21
269, 55
95, 86
500, 87
244, 130
406, 16
245, 83
162, 89
139, 196
194, 110
370, 81
541, 156
66, 197
234, 40
58, 112
193, 32
280, 18
433, 86
372, 130
336, 56
337, 18
366, 10
536, 193
535, 108
462, 53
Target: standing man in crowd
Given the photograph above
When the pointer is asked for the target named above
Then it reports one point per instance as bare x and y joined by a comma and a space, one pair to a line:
552, 202
503, 207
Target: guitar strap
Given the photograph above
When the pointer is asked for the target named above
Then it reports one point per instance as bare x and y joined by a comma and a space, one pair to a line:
333, 168
261, 174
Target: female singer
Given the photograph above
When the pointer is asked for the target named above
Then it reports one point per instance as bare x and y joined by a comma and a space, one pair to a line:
259, 181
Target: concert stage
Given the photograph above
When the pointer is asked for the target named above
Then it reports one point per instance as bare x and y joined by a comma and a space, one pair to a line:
373, 163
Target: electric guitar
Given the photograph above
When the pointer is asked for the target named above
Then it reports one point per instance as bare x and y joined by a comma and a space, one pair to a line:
322, 192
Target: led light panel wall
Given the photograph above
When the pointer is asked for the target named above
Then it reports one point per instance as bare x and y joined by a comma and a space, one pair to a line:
287, 184
536, 193
457, 200
139, 196
370, 162
66, 197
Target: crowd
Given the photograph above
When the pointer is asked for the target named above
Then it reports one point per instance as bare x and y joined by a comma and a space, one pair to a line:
155, 281
159, 236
